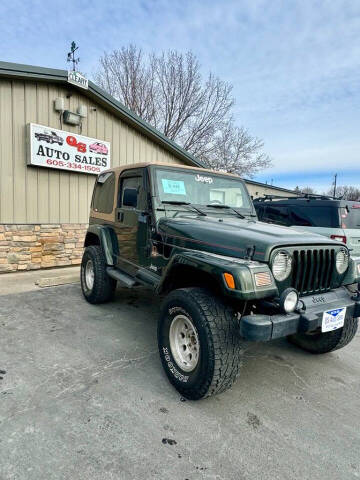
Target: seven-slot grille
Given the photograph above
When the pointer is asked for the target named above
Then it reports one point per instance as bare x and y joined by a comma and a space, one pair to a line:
313, 270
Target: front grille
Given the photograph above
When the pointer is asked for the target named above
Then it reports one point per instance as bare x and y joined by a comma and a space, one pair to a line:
313, 270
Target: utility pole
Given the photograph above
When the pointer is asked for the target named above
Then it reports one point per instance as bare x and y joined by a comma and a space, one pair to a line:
335, 177
71, 56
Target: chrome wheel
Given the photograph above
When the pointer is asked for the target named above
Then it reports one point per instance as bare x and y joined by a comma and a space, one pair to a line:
89, 275
184, 343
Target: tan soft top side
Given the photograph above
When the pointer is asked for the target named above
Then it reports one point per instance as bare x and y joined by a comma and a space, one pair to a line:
122, 168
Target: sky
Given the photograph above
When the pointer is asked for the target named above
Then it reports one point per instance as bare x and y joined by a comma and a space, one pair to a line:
294, 65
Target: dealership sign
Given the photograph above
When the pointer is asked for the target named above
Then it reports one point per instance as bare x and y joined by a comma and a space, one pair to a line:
78, 79
51, 148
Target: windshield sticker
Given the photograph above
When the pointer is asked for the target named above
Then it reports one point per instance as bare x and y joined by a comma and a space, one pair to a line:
176, 187
200, 178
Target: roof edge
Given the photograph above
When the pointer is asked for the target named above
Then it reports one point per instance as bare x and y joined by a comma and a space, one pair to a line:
282, 189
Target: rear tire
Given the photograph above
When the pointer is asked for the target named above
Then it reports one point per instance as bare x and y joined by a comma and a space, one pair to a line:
328, 341
213, 328
96, 285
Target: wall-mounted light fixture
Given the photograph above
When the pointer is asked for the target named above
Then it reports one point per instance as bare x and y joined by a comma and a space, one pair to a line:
71, 118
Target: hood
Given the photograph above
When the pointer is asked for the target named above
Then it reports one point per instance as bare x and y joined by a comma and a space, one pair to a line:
233, 236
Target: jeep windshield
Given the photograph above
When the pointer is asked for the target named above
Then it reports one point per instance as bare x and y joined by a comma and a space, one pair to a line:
205, 190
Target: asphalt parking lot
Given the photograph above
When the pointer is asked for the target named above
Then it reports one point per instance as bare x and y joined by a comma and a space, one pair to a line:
84, 397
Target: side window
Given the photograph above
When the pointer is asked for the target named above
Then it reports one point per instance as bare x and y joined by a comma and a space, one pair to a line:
103, 198
300, 216
279, 215
315, 216
130, 193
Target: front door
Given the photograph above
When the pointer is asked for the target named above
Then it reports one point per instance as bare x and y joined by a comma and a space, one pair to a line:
132, 220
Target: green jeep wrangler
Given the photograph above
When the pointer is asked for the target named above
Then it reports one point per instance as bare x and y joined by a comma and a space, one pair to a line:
192, 235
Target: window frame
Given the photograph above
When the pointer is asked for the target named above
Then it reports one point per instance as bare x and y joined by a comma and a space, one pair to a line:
132, 173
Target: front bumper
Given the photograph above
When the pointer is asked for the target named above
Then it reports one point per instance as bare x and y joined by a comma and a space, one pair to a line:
261, 328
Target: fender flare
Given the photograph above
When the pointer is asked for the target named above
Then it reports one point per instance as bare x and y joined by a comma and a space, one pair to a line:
108, 241
216, 265
196, 260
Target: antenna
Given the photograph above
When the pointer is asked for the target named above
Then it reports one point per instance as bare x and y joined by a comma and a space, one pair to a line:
71, 56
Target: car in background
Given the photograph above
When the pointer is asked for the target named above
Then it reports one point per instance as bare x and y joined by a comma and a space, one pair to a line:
334, 218
98, 147
49, 137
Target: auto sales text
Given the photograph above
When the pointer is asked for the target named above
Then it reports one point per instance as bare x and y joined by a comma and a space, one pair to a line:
59, 155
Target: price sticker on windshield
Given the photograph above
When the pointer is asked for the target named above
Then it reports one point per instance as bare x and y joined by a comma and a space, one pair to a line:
175, 187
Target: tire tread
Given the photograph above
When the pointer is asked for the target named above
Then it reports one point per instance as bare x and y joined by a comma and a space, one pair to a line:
104, 286
225, 349
329, 341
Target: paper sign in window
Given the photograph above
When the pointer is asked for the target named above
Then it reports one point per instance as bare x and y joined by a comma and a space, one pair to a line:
175, 187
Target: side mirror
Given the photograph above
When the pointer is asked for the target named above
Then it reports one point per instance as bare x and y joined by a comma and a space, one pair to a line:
130, 197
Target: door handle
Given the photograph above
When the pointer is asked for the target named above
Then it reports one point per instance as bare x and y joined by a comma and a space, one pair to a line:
120, 216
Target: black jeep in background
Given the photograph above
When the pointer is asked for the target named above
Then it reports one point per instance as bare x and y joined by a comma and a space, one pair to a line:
334, 218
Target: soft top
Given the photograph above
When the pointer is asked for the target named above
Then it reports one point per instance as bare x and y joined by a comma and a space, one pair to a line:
132, 166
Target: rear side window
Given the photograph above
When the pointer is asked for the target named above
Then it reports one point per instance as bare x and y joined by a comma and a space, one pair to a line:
314, 216
274, 214
103, 198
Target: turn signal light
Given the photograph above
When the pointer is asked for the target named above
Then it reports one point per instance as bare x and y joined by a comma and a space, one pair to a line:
338, 238
229, 280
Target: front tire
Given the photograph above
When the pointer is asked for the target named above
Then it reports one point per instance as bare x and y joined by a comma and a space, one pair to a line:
199, 342
96, 285
319, 342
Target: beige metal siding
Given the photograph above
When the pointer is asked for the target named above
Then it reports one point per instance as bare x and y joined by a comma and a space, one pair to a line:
41, 195
257, 191
6, 154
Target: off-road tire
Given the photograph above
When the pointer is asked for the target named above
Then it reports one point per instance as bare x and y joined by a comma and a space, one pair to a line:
217, 328
104, 286
327, 341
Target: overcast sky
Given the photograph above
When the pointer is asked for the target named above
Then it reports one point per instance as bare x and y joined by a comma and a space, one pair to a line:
295, 65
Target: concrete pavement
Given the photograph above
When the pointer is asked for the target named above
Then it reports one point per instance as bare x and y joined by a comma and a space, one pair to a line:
84, 397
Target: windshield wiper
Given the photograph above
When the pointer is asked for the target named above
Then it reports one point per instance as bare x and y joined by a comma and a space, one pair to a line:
227, 207
186, 204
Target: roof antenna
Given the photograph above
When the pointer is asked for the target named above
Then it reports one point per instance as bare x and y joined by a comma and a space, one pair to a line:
71, 56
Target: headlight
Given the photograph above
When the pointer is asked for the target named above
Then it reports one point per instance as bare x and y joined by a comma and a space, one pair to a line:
342, 261
281, 266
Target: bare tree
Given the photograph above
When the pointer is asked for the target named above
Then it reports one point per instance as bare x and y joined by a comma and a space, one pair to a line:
169, 92
305, 190
308, 190
128, 77
346, 192
235, 151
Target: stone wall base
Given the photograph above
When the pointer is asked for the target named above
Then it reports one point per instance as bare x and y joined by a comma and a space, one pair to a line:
31, 247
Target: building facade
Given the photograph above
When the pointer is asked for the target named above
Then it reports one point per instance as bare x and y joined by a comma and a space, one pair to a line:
44, 209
